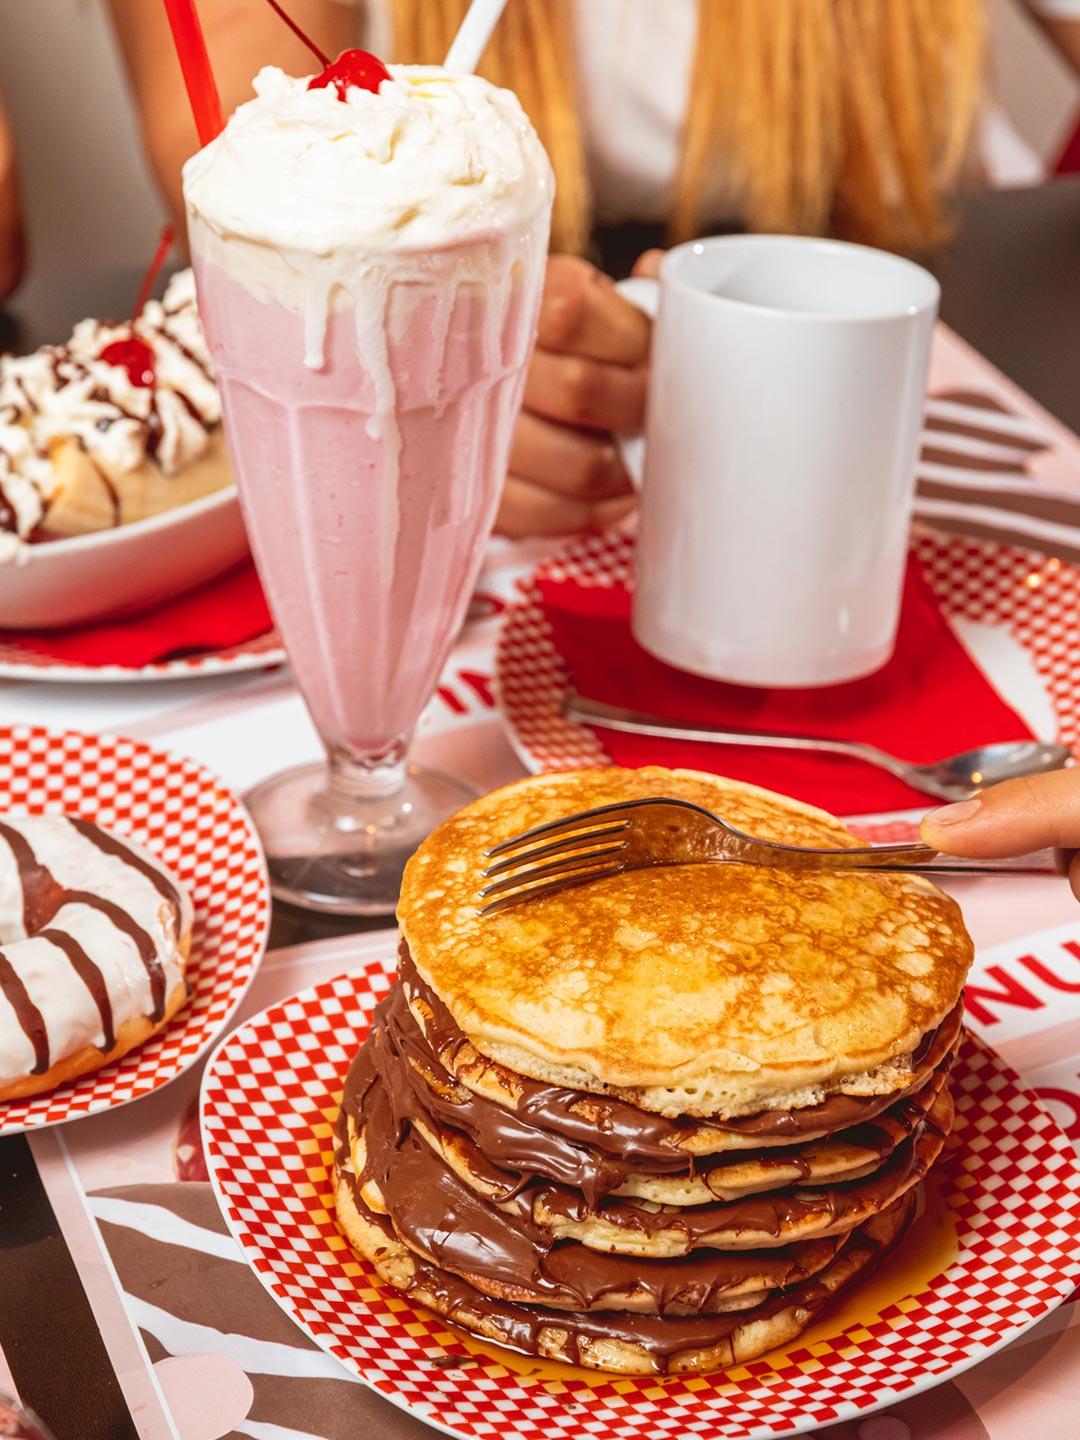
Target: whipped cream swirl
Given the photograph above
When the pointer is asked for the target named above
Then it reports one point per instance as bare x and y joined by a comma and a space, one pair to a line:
432, 159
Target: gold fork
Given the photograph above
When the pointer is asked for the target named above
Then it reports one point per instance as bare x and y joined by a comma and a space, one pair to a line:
662, 830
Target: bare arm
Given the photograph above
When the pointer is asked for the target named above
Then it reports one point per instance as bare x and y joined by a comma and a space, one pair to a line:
12, 253
241, 36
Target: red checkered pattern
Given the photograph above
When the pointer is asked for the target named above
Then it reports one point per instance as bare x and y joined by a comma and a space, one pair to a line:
186, 817
263, 653
1034, 598
269, 1101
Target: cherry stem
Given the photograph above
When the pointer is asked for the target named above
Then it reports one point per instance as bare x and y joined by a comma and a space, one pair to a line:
324, 60
165, 244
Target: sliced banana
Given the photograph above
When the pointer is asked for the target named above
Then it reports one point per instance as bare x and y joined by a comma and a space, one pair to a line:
86, 497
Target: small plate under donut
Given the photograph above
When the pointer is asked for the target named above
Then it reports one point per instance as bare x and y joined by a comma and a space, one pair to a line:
183, 815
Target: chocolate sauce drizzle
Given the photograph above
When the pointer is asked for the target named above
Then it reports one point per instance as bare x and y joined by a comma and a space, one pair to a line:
27, 1014
504, 1150
8, 518
69, 368
44, 897
110, 845
440, 1216
91, 976
653, 1142
664, 1337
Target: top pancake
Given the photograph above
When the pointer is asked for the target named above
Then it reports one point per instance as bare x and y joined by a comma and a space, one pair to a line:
701, 989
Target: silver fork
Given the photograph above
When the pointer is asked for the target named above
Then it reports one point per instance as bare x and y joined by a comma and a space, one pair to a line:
662, 830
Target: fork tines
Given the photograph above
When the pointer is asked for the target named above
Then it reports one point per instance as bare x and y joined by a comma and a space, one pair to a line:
524, 878
569, 822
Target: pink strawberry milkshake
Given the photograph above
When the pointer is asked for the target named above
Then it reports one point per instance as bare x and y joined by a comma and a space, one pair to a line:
369, 271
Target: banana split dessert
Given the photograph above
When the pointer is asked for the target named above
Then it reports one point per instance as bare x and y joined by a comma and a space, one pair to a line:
120, 423
659, 1122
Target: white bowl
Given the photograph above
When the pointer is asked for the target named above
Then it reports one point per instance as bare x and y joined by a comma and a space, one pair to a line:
122, 571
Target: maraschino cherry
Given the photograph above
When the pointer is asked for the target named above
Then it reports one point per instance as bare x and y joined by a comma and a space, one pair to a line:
131, 352
353, 69
133, 355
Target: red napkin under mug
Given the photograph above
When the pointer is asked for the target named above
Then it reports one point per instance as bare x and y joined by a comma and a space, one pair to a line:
929, 701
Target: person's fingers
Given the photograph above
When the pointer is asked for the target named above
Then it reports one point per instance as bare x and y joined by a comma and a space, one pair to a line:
583, 314
527, 510
572, 462
1011, 818
586, 393
647, 265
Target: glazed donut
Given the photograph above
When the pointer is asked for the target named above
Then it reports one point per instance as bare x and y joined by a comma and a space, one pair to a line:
94, 936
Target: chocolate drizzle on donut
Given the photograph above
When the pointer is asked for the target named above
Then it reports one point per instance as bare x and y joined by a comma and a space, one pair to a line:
110, 845
92, 978
43, 897
41, 893
27, 1014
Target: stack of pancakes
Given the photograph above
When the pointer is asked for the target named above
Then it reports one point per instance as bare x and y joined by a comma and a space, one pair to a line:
655, 1123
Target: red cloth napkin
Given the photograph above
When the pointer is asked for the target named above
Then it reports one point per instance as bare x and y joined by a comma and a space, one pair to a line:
929, 701
224, 612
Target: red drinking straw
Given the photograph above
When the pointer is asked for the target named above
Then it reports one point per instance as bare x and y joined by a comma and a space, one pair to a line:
165, 244
195, 63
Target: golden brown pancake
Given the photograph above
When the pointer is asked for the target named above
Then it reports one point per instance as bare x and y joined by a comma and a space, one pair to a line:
702, 990
591, 1143
449, 1060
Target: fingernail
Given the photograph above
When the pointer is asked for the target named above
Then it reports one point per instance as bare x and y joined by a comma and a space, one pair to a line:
955, 814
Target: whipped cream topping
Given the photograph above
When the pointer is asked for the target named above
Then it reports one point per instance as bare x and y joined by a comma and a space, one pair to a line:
25, 479
68, 392
432, 159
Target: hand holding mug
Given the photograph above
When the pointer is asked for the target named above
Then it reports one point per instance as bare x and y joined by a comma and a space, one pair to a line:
587, 380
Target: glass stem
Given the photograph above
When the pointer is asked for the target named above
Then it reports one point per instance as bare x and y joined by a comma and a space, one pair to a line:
367, 777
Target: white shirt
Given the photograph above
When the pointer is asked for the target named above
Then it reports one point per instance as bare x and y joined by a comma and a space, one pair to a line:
633, 61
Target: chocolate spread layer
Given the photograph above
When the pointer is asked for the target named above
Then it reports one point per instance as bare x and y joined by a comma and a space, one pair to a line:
771, 1214
443, 1220
663, 1338
647, 1139
503, 1149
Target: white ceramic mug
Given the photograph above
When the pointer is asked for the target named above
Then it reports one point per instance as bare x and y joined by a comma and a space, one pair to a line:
785, 404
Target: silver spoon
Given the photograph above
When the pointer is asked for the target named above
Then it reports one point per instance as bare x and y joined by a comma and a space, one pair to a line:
956, 777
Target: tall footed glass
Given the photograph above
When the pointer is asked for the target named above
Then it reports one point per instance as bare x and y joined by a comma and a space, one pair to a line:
369, 396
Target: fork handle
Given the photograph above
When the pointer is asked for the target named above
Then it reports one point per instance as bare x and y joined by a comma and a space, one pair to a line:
923, 858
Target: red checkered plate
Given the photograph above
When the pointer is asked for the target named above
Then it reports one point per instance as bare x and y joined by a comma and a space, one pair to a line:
187, 818
263, 653
1013, 608
995, 1251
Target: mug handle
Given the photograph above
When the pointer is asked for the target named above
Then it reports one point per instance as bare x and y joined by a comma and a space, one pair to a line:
645, 294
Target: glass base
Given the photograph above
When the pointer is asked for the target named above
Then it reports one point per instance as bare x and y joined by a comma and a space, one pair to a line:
341, 853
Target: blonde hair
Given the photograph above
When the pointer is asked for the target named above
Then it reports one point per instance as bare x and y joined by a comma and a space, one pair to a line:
843, 116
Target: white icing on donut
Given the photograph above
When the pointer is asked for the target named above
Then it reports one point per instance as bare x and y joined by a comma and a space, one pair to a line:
105, 940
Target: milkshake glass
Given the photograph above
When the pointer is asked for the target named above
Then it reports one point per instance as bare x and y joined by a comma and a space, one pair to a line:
369, 272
